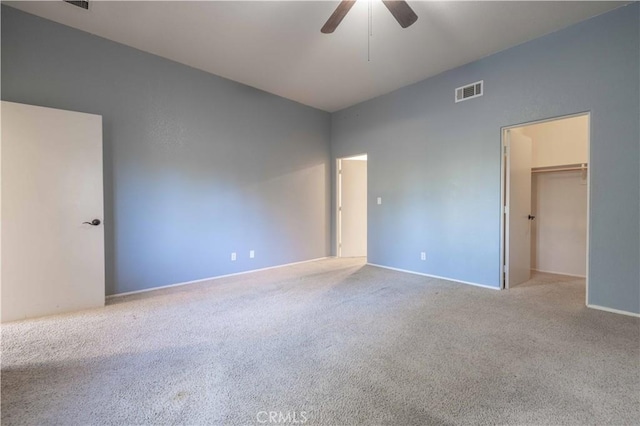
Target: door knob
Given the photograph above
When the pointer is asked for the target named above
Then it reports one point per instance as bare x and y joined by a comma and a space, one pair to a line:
94, 222
531, 217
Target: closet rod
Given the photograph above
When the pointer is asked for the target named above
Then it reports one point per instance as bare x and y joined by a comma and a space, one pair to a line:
567, 168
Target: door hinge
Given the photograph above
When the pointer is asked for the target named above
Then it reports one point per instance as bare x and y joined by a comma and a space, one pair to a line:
505, 209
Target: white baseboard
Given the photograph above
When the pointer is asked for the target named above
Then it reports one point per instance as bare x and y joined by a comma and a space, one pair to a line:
613, 311
559, 273
129, 293
434, 276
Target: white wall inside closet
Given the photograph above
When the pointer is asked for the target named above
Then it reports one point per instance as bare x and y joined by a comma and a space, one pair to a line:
559, 198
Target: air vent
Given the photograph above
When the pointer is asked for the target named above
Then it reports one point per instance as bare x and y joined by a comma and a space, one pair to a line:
80, 3
469, 91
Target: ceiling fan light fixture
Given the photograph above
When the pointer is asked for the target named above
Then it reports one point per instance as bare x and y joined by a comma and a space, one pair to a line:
400, 10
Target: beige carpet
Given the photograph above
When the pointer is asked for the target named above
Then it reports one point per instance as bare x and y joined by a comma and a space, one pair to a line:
330, 342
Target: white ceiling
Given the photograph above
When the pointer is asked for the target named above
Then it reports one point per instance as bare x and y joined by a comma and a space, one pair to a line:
278, 47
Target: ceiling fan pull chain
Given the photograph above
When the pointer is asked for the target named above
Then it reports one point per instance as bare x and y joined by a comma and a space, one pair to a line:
370, 32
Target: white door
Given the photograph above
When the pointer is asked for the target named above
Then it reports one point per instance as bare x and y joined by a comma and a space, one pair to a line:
353, 208
51, 182
518, 191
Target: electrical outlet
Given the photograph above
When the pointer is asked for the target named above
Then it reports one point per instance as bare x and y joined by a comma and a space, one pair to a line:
252, 254
379, 200
423, 255
233, 256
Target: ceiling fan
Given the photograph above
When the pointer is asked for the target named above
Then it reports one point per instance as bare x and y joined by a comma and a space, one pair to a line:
398, 8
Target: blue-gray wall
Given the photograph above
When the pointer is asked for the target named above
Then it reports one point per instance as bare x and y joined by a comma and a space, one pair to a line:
196, 166
436, 164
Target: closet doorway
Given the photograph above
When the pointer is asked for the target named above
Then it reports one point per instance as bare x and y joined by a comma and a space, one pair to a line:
545, 198
352, 206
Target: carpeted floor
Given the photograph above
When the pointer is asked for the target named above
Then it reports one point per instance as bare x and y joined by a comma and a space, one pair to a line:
329, 342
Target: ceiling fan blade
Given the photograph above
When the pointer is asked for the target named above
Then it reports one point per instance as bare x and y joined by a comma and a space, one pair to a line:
401, 11
337, 16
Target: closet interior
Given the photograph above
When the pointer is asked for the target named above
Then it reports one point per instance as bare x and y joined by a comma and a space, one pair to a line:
559, 195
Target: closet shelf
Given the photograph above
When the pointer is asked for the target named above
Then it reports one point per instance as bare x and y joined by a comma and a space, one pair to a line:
560, 168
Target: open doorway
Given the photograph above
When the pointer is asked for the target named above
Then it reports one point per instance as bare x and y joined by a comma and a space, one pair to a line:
352, 206
545, 196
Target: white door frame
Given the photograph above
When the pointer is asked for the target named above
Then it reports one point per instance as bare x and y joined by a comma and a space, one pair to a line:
339, 200
503, 182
